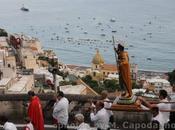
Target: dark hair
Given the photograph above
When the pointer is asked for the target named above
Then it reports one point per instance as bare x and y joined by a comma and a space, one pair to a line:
31, 93
101, 104
156, 109
27, 119
163, 93
121, 47
3, 119
60, 93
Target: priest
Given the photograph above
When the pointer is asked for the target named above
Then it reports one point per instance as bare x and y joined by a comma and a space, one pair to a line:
35, 111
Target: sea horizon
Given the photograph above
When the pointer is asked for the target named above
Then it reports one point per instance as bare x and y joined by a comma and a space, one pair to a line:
74, 30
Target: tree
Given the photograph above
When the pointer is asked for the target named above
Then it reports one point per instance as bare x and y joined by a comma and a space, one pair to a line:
171, 77
135, 85
89, 81
87, 78
3, 33
111, 85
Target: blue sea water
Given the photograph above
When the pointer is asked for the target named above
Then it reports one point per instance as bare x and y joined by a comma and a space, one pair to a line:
147, 27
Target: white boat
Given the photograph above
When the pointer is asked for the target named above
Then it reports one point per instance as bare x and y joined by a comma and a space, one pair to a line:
24, 9
103, 35
113, 31
112, 20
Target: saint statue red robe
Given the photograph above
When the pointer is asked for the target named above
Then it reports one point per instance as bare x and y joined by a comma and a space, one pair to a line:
35, 113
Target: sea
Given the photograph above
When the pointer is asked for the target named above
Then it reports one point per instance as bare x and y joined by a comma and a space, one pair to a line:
75, 29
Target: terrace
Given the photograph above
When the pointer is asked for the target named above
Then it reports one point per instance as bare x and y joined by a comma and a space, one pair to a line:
13, 105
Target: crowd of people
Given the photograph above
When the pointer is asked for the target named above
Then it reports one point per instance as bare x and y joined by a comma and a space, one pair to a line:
162, 113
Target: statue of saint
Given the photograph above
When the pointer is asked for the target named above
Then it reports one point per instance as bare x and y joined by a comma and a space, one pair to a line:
124, 71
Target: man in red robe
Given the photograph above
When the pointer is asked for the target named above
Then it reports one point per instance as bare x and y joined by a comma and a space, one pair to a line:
35, 111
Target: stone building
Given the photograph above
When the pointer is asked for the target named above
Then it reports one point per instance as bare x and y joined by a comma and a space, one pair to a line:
28, 59
99, 69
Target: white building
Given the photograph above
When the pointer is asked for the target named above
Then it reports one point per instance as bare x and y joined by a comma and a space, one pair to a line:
7, 64
80, 89
28, 59
3, 42
33, 44
113, 76
158, 83
22, 85
47, 75
5, 83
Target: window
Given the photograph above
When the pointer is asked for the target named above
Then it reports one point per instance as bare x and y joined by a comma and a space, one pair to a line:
94, 74
9, 65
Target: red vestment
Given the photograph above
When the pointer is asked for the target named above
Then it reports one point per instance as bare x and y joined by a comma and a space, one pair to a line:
35, 113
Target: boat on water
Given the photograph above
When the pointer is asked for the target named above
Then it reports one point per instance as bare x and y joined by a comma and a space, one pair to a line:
113, 31
149, 59
112, 20
103, 35
24, 9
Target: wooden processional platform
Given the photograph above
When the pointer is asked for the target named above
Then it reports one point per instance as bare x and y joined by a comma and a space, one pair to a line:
127, 104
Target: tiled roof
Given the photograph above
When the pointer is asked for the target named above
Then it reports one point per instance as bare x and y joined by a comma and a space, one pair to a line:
77, 67
109, 67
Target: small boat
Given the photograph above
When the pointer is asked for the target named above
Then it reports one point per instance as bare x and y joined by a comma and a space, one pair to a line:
114, 31
112, 20
149, 59
24, 9
149, 33
99, 23
103, 35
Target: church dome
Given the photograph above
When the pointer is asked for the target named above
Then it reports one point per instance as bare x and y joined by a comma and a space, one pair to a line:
98, 59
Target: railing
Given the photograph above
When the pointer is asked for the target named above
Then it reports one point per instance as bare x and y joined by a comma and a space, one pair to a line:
13, 105
46, 97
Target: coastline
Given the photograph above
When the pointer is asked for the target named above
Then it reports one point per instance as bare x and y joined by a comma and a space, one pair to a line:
139, 70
